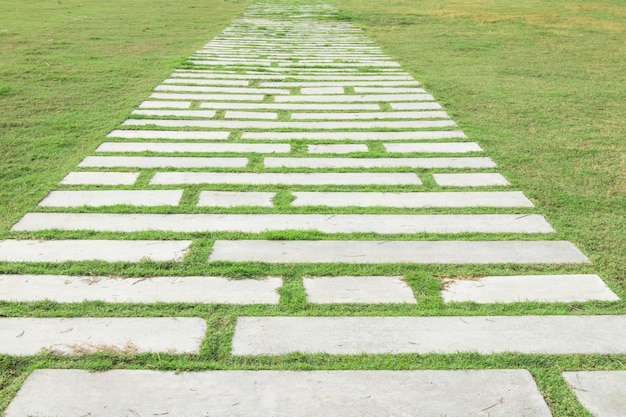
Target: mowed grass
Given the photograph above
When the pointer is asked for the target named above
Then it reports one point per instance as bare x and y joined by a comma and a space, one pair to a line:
540, 86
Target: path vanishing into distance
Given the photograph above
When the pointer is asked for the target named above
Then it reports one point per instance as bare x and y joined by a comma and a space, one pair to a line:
294, 140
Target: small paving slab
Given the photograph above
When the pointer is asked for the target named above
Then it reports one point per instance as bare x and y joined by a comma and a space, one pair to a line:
371, 115
446, 134
176, 113
165, 105
76, 289
162, 162
196, 81
602, 393
72, 336
76, 393
411, 200
414, 106
322, 90
540, 288
207, 97
444, 147
353, 98
165, 147
320, 178
167, 134
466, 162
378, 252
235, 199
469, 180
89, 250
336, 149
482, 334
233, 90
100, 178
388, 90
368, 289
250, 115
100, 198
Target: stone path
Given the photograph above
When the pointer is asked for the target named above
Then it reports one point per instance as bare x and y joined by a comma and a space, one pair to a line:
293, 121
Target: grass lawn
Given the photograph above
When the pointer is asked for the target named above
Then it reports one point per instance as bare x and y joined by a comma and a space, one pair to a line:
540, 85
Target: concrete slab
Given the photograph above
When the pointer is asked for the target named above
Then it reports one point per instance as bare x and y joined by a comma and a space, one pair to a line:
76, 289
79, 336
414, 106
257, 223
411, 200
290, 106
165, 105
167, 134
378, 252
89, 250
358, 82
251, 115
76, 393
482, 334
444, 147
299, 76
207, 114
100, 178
447, 134
162, 162
467, 162
235, 199
469, 180
178, 147
353, 98
100, 198
368, 289
229, 90
371, 115
388, 90
208, 97
320, 178
540, 288
322, 90
602, 393
196, 81
336, 149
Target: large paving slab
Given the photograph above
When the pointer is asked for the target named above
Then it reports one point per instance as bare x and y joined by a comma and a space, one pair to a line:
162, 162
235, 198
311, 84
353, 98
193, 147
76, 289
453, 147
380, 335
29, 336
603, 393
321, 178
464, 162
100, 198
88, 250
290, 106
250, 115
257, 223
234, 90
367, 289
207, 114
207, 97
167, 134
196, 81
469, 180
165, 105
411, 200
337, 149
481, 393
100, 178
383, 135
541, 288
371, 115
378, 252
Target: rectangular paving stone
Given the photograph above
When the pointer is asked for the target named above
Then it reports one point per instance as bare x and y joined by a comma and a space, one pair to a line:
540, 288
100, 178
193, 147
602, 393
378, 252
394, 335
321, 90
167, 134
100, 198
367, 289
253, 124
235, 199
467, 162
411, 200
413, 106
321, 178
76, 289
348, 98
165, 104
230, 90
250, 115
336, 149
371, 115
90, 250
388, 90
450, 134
208, 97
176, 113
445, 147
197, 81
343, 83
469, 180
257, 223
161, 162
290, 106
76, 393
75, 336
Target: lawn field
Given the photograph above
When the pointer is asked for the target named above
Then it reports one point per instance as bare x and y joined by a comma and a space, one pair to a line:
539, 85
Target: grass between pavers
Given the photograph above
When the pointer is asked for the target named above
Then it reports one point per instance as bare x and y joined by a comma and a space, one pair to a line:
543, 101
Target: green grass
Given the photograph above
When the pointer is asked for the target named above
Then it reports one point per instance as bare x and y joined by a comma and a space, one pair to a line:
541, 86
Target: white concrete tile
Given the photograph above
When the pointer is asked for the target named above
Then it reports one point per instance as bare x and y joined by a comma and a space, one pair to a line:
100, 198
76, 336
469, 180
322, 178
290, 106
602, 393
208, 97
377, 252
193, 147
253, 124
348, 98
467, 162
540, 288
344, 83
167, 134
76, 289
482, 334
162, 161
100, 178
367, 289
322, 90
207, 114
371, 115
250, 115
389, 90
336, 149
235, 199
412, 200
76, 393
444, 147
165, 105
229, 90
414, 106
89, 250
450, 134
196, 81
